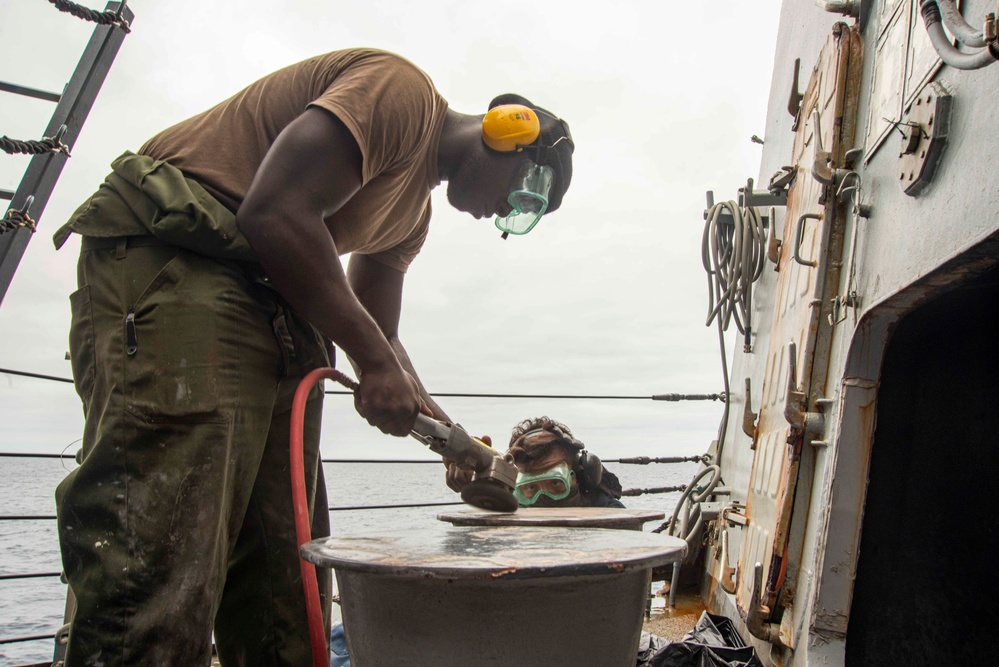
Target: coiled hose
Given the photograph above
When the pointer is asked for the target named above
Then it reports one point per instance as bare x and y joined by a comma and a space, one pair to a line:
303, 528
733, 257
695, 495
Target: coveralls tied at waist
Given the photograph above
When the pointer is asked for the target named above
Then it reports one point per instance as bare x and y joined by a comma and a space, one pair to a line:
143, 196
187, 363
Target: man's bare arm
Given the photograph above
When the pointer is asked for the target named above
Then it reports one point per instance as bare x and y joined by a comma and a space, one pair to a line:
379, 289
310, 171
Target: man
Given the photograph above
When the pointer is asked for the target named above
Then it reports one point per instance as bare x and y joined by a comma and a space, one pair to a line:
210, 283
555, 469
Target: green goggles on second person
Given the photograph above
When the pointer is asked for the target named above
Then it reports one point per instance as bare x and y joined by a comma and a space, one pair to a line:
528, 197
554, 482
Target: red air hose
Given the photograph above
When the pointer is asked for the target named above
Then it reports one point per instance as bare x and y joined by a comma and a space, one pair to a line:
303, 528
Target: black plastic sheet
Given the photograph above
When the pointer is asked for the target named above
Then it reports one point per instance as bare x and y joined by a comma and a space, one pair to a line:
714, 642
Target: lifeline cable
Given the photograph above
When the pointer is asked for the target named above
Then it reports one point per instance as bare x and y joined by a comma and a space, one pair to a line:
106, 17
15, 219
32, 146
672, 398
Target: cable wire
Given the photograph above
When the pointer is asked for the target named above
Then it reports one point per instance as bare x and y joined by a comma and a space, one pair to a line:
670, 398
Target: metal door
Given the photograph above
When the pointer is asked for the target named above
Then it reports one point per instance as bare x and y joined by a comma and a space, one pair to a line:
798, 354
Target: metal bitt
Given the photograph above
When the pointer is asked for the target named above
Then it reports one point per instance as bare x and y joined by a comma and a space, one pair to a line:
448, 596
74, 105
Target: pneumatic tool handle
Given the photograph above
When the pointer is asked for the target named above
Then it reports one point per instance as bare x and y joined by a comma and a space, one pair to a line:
495, 476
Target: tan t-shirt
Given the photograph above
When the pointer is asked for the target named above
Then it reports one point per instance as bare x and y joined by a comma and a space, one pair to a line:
388, 104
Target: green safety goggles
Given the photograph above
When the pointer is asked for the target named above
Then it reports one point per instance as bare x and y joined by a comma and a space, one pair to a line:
528, 197
554, 482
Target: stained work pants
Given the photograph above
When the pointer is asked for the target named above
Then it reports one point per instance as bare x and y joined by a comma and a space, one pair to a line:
179, 520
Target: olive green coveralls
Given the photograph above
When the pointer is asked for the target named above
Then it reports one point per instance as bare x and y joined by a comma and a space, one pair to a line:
179, 519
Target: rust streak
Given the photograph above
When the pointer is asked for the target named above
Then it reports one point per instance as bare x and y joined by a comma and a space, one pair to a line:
503, 573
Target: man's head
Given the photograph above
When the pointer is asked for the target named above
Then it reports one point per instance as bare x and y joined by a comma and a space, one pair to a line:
547, 455
540, 443
488, 182
555, 468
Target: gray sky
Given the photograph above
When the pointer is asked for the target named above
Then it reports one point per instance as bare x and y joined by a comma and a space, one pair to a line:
606, 296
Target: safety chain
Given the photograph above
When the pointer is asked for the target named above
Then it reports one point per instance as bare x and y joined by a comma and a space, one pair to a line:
17, 218
33, 147
106, 17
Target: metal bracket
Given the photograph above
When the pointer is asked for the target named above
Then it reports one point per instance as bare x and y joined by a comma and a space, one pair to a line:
848, 187
732, 515
782, 179
794, 97
729, 579
799, 234
927, 120
748, 197
756, 618
796, 402
844, 7
840, 304
774, 243
826, 174
749, 417
822, 165
772, 196
735, 514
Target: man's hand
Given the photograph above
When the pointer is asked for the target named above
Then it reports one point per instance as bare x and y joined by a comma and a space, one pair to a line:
389, 399
456, 478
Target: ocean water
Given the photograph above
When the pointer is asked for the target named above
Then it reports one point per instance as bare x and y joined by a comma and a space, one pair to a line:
35, 606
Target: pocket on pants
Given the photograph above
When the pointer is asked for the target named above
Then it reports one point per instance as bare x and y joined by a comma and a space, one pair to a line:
81, 343
179, 352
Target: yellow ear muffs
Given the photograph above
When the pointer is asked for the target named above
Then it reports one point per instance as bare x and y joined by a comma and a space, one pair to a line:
509, 126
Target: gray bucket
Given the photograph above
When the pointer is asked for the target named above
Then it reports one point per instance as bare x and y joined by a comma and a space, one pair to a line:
470, 596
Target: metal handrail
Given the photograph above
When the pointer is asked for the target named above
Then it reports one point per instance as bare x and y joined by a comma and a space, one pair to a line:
672, 398
15, 640
33, 575
635, 460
